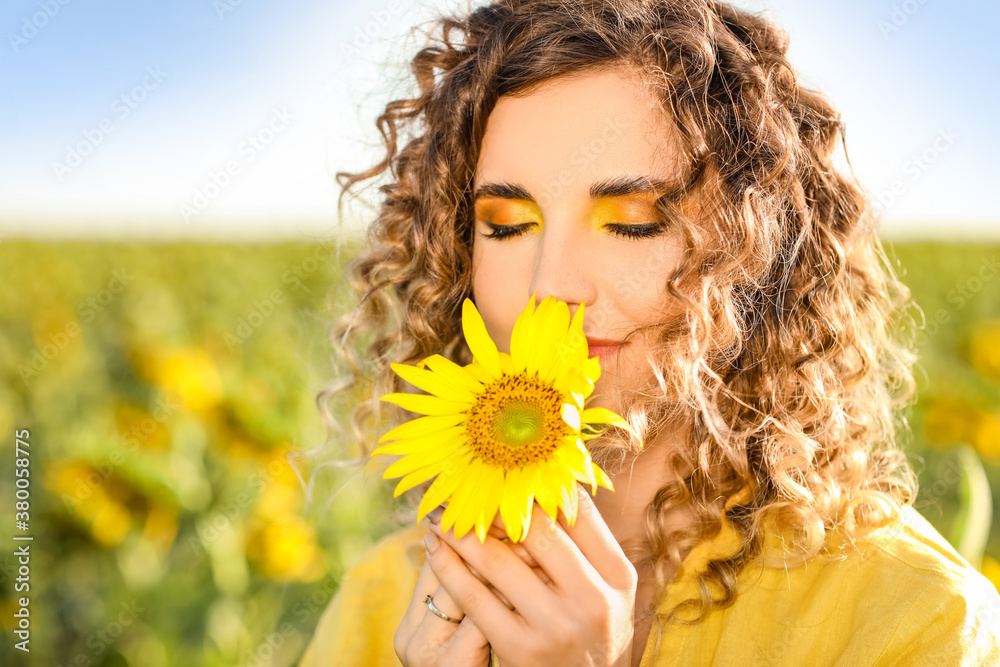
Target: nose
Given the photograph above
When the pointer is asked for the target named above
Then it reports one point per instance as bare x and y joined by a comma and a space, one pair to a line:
563, 270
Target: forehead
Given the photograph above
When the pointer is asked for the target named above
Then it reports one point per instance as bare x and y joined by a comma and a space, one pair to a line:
577, 129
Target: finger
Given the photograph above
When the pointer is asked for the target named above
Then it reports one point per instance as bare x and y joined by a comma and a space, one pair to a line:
444, 604
468, 646
497, 530
494, 560
558, 555
426, 584
596, 542
489, 614
417, 611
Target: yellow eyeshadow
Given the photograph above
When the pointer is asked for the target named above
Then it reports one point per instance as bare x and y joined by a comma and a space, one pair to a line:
507, 211
624, 210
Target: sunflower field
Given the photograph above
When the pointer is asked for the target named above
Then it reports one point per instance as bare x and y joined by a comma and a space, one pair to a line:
181, 507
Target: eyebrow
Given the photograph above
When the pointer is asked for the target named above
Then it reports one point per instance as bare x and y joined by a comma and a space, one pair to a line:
610, 187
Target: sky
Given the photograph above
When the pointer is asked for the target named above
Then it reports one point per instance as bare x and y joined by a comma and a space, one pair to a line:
228, 118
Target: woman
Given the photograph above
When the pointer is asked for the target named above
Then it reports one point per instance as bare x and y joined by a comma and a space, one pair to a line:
660, 163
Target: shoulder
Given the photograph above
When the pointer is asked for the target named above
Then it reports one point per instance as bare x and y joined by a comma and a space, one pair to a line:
358, 626
901, 596
948, 612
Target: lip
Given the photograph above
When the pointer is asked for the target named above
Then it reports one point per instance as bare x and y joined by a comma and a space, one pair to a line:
602, 347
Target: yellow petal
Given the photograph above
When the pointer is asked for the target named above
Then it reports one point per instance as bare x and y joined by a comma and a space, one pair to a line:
569, 501
445, 484
476, 337
506, 364
602, 477
421, 443
455, 374
577, 460
425, 405
592, 368
414, 479
576, 324
605, 416
433, 456
522, 343
543, 481
515, 505
476, 370
433, 383
459, 515
422, 426
553, 321
488, 500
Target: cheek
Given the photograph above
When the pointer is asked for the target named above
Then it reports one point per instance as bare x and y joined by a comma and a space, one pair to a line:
639, 286
500, 288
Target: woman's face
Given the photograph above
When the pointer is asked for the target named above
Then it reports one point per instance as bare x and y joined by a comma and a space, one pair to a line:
565, 190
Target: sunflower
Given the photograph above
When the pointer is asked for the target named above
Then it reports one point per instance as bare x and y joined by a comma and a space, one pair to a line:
506, 430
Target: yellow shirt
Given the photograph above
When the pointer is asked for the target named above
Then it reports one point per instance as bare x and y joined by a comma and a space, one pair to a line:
906, 598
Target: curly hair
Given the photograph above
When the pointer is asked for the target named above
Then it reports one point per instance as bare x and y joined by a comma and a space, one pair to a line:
787, 366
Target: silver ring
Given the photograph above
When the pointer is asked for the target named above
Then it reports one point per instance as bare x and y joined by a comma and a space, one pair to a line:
429, 601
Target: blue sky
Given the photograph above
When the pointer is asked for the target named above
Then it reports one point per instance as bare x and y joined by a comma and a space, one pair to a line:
226, 117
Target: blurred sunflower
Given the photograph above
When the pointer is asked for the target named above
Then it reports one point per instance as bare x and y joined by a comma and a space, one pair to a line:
505, 430
984, 349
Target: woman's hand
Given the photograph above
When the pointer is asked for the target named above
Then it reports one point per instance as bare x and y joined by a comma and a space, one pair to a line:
424, 639
581, 616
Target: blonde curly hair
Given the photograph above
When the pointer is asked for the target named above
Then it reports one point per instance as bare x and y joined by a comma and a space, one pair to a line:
786, 366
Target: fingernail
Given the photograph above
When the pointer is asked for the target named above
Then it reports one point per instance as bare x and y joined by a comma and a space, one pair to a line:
432, 542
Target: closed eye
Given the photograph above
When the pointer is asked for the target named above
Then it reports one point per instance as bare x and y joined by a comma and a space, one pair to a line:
501, 232
625, 231
644, 231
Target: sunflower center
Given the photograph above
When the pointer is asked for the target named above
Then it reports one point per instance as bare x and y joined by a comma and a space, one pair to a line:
516, 420
519, 424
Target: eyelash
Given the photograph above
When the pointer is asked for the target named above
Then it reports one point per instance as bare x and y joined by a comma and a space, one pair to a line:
633, 232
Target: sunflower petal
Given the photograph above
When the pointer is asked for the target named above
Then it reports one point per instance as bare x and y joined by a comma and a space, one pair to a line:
605, 416
435, 455
577, 460
445, 484
488, 500
457, 375
543, 481
553, 321
571, 415
480, 344
422, 443
569, 501
413, 479
424, 404
422, 426
433, 383
459, 515
523, 339
515, 505
506, 364
602, 477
